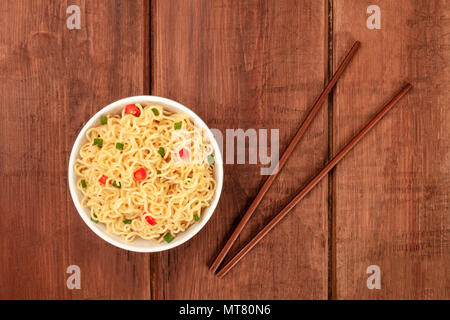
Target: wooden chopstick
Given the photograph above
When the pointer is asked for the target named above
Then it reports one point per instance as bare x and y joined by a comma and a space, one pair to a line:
301, 131
313, 182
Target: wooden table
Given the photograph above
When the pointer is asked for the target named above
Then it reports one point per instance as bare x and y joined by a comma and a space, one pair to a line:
237, 64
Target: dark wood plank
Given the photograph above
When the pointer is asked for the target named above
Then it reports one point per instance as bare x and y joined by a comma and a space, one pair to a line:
391, 193
53, 81
252, 64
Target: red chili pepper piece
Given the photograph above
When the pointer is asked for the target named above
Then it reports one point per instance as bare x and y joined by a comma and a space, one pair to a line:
184, 154
133, 110
150, 220
140, 174
103, 179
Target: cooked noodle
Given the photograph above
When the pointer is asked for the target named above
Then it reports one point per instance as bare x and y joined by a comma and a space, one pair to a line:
179, 180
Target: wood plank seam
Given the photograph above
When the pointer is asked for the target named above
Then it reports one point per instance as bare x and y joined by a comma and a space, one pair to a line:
331, 224
154, 258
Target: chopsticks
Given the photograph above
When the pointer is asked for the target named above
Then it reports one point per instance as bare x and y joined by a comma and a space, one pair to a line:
313, 182
304, 126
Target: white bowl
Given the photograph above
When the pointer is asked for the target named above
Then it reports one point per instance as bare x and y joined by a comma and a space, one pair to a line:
139, 244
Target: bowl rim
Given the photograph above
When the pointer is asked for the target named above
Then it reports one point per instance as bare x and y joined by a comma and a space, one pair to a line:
190, 232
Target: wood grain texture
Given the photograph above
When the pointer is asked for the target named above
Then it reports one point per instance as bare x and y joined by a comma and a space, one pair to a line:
391, 194
53, 81
252, 64
238, 64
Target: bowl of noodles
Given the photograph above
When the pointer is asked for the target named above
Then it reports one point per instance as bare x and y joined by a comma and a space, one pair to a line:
145, 173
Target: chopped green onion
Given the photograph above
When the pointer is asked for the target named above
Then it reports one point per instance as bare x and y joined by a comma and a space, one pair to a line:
96, 221
196, 217
115, 185
161, 151
127, 221
168, 237
119, 146
104, 120
210, 159
155, 111
98, 142
177, 125
158, 171
83, 183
